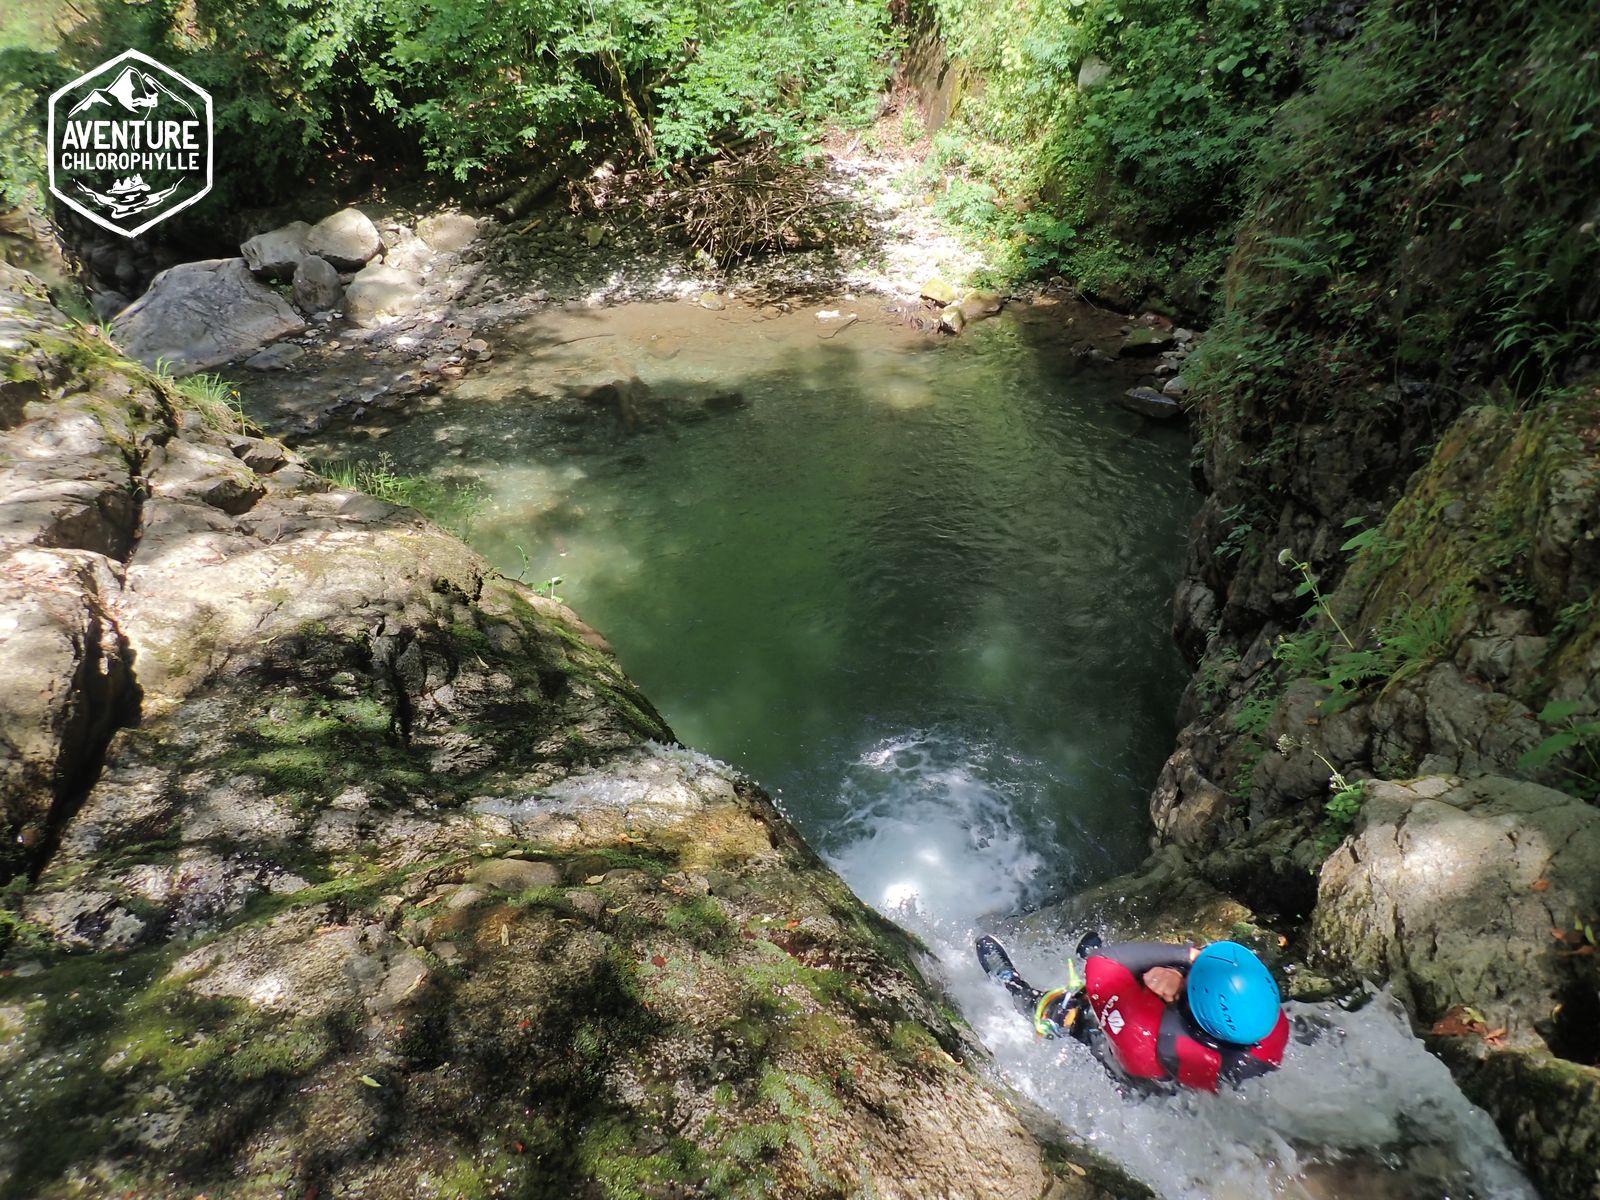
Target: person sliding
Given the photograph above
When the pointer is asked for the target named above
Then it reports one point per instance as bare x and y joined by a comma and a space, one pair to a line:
1166, 1012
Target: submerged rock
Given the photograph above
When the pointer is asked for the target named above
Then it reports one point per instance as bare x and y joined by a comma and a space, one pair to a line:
977, 305
276, 358
1148, 402
1146, 341
200, 315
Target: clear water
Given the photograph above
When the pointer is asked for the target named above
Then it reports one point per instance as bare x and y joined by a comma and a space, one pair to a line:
892, 537
920, 591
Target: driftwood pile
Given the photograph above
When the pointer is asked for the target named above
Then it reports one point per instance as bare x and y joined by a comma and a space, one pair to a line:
749, 201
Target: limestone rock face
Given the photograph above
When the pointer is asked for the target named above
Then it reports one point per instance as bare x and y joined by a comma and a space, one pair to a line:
1453, 889
348, 239
199, 315
1450, 888
385, 872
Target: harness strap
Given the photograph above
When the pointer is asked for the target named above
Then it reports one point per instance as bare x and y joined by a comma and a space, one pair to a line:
1043, 1024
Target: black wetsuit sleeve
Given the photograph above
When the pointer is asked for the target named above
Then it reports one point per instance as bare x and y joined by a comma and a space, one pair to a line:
1140, 957
1239, 1064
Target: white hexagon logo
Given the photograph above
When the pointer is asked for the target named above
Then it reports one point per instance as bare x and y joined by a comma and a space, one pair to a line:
130, 144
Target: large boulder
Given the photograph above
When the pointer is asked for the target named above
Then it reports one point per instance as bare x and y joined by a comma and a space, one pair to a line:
348, 239
276, 253
200, 315
1464, 894
381, 293
1450, 889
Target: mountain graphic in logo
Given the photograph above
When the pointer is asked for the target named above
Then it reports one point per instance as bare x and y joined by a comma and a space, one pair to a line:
135, 90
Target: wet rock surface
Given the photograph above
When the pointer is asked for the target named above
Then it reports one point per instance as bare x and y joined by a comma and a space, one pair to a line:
1436, 891
397, 882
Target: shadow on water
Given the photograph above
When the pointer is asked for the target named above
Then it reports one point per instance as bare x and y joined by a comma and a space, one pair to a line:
811, 542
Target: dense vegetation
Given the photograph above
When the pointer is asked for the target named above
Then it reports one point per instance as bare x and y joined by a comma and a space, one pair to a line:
474, 86
1109, 140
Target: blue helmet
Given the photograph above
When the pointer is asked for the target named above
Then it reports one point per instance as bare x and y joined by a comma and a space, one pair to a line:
1232, 994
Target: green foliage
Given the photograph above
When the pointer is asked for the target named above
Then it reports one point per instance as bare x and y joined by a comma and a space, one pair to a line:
1255, 714
27, 77
1422, 204
453, 505
1139, 173
1216, 672
479, 85
1574, 747
1345, 804
1408, 639
215, 399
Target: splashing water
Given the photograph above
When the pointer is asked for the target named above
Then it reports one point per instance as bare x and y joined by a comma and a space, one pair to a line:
936, 839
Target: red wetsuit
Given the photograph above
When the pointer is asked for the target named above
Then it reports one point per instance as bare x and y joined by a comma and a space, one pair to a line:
1156, 1040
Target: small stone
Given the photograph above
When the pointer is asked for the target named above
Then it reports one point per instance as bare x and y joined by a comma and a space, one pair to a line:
448, 232
1148, 402
316, 285
1145, 341
465, 896
478, 349
977, 305
1176, 387
515, 875
938, 291
712, 301
276, 358
952, 319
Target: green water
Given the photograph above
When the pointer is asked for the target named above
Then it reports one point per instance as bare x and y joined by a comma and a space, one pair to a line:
907, 584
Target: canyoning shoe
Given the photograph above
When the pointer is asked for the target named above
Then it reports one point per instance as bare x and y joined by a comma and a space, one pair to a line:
994, 960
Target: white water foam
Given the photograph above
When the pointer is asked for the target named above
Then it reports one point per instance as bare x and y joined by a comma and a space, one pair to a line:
1359, 1110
